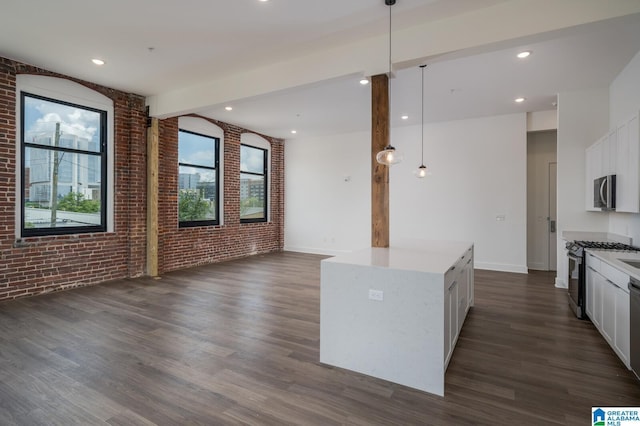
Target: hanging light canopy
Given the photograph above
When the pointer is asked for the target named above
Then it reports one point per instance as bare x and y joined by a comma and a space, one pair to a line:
389, 156
422, 170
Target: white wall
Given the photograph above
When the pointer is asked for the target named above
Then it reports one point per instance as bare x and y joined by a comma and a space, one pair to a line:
624, 98
478, 172
583, 116
328, 194
542, 120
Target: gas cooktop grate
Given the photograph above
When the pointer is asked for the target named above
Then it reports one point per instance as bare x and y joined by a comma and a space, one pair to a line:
600, 245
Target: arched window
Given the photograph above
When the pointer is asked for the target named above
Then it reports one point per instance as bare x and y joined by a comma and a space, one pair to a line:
65, 141
199, 195
254, 178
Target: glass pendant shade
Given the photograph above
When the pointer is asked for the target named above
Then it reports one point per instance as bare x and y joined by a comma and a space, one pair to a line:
421, 172
389, 156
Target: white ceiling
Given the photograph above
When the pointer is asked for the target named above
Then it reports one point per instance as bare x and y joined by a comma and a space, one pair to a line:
156, 46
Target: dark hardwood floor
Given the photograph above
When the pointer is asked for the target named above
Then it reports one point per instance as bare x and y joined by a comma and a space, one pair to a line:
237, 343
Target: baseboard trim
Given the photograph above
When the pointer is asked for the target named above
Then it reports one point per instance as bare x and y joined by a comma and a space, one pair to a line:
501, 267
560, 283
537, 266
312, 250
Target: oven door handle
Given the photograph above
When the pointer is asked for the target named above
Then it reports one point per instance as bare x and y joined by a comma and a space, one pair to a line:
575, 258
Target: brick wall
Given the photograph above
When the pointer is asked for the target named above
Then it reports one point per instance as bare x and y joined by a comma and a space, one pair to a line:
185, 247
37, 265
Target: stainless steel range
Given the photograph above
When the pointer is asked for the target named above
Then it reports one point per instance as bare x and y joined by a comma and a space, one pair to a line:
577, 272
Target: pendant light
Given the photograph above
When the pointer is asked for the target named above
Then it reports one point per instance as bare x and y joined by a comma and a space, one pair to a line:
389, 156
422, 170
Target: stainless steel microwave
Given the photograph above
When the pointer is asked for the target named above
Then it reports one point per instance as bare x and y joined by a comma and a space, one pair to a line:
604, 192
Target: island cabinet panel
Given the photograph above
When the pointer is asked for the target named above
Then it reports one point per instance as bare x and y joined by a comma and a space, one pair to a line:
396, 313
451, 320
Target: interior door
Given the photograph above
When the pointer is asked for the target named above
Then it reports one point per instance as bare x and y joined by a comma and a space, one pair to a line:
553, 240
541, 201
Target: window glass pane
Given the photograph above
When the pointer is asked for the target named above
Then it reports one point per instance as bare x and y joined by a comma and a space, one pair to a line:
196, 150
196, 194
54, 124
61, 189
251, 159
252, 197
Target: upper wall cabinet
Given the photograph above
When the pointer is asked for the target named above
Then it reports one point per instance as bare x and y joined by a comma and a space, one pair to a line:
616, 153
628, 166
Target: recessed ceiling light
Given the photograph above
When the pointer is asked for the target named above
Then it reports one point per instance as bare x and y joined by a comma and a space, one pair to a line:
263, 1
97, 61
228, 108
405, 117
520, 100
293, 131
524, 54
364, 81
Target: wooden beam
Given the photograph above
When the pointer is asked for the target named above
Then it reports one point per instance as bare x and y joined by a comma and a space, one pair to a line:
379, 172
153, 164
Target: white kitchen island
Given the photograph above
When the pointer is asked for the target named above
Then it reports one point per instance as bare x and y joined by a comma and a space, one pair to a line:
395, 313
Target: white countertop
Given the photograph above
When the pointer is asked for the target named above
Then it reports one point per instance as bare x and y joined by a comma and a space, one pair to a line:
613, 259
421, 256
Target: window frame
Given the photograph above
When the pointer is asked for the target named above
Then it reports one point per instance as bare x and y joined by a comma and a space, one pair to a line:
216, 168
102, 153
265, 174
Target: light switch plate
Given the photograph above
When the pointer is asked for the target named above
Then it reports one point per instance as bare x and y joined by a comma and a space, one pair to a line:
377, 295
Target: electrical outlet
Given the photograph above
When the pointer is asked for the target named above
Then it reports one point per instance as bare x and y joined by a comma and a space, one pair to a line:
377, 295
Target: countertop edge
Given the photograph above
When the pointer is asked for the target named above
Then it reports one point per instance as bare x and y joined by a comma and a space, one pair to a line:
611, 258
434, 257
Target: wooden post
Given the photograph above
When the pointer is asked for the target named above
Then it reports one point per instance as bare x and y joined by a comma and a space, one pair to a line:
153, 164
379, 173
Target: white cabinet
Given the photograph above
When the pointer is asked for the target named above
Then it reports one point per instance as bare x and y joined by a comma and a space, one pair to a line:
607, 301
463, 302
469, 277
598, 283
458, 299
616, 153
451, 300
622, 338
590, 290
608, 325
628, 166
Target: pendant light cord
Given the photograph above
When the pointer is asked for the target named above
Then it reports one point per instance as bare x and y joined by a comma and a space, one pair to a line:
422, 113
389, 42
390, 4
